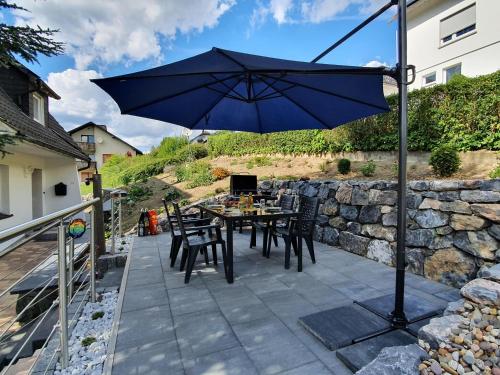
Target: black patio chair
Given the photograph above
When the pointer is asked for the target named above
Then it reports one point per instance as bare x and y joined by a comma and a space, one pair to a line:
189, 220
308, 206
286, 203
192, 245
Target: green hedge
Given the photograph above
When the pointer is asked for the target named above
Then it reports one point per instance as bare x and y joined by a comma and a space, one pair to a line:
465, 112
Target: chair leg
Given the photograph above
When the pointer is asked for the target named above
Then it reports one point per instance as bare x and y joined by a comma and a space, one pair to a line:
214, 254
193, 253
241, 226
184, 257
268, 249
265, 235
224, 259
288, 250
253, 237
294, 245
205, 253
176, 243
310, 247
275, 239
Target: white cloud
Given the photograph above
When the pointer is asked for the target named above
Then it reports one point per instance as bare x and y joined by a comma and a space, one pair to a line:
376, 63
310, 11
83, 101
117, 31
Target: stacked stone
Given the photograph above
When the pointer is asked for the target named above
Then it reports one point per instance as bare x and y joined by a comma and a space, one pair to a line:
466, 339
453, 226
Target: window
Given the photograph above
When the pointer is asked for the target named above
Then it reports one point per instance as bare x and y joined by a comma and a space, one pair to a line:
88, 138
429, 79
105, 157
451, 71
458, 25
38, 109
4, 192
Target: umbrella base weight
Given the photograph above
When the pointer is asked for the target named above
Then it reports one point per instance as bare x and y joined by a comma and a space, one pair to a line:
360, 354
342, 326
416, 308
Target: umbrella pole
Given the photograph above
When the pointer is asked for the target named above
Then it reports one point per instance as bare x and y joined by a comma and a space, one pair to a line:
398, 316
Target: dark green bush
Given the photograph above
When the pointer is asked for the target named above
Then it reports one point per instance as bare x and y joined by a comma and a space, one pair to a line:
463, 112
495, 173
97, 315
88, 340
344, 166
444, 160
197, 174
368, 169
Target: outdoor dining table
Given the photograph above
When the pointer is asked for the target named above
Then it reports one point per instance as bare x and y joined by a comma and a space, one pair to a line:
230, 216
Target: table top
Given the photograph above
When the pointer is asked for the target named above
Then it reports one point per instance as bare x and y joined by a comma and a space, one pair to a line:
253, 214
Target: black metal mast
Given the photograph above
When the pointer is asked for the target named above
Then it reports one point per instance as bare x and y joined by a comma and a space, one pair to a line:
398, 318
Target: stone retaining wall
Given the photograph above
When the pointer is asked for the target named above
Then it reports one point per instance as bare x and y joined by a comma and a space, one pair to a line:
453, 226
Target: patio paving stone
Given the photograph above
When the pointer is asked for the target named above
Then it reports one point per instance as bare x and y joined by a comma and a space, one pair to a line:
228, 362
144, 296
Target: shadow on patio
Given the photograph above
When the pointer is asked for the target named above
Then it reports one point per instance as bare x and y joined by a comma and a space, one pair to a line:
250, 327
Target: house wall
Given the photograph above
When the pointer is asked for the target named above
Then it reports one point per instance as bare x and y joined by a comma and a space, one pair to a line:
104, 144
479, 52
55, 168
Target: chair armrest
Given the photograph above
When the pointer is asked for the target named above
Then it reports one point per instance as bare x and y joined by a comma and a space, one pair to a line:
202, 227
196, 222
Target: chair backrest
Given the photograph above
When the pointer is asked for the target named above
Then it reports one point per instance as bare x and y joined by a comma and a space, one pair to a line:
169, 218
180, 224
287, 201
309, 207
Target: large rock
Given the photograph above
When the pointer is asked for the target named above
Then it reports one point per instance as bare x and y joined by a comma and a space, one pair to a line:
415, 260
369, 214
455, 307
348, 212
488, 211
430, 218
466, 222
310, 191
419, 237
322, 220
354, 227
490, 184
413, 200
344, 193
331, 236
439, 329
387, 197
338, 222
379, 231
444, 185
381, 251
459, 207
390, 219
359, 197
450, 266
330, 207
396, 360
318, 233
492, 273
494, 231
323, 192
429, 203
441, 242
479, 244
354, 243
419, 185
482, 291
480, 196
448, 196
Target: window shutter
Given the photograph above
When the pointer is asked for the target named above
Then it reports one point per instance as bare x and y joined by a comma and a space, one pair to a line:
458, 21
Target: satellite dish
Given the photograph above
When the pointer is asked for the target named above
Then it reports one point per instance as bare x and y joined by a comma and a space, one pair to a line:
99, 140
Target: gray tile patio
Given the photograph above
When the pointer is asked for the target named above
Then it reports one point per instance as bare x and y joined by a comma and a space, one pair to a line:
249, 327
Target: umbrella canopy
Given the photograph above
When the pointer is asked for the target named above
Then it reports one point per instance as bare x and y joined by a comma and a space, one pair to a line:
226, 90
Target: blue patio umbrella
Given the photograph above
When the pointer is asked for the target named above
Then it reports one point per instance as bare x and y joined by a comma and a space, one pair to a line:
226, 90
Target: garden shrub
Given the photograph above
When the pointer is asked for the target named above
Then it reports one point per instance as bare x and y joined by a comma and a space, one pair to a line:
169, 146
219, 190
368, 169
88, 340
444, 160
495, 173
259, 161
344, 166
323, 167
97, 315
197, 174
220, 173
171, 194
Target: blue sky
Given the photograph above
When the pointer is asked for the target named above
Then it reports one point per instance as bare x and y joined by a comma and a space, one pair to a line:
116, 37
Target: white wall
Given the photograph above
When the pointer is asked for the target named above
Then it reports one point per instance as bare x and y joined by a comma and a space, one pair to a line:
55, 168
479, 53
109, 144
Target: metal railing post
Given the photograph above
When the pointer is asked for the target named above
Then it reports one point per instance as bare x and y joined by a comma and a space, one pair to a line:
71, 263
112, 225
63, 312
92, 254
120, 233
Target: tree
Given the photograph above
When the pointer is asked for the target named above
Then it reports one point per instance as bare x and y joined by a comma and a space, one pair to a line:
25, 41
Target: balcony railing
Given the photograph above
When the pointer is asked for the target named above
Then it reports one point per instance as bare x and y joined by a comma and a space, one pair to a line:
88, 148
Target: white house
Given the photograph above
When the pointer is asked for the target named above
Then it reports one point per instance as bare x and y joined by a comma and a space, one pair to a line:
44, 156
100, 144
448, 37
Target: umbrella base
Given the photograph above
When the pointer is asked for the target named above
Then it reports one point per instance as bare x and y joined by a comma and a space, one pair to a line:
416, 308
360, 354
